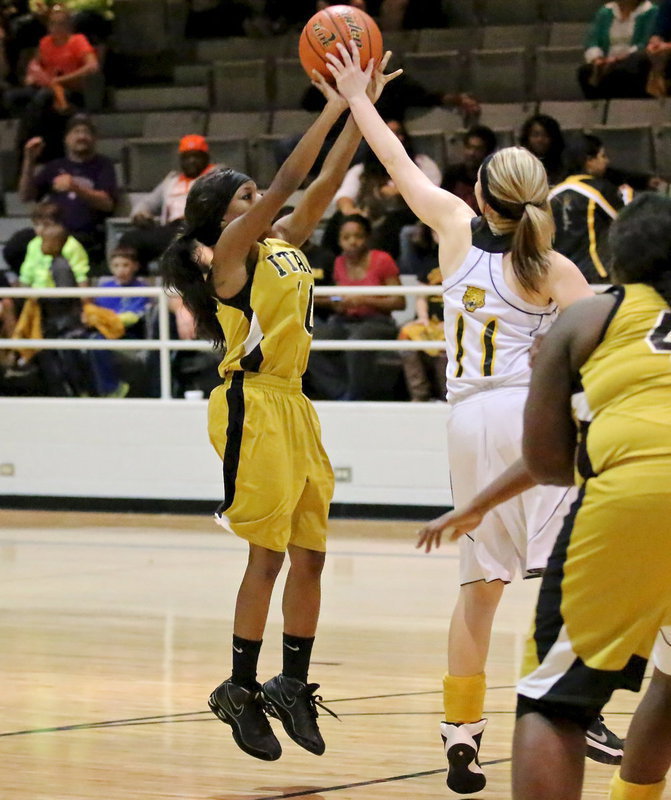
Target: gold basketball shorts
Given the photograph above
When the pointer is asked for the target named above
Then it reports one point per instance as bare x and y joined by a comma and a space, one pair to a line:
278, 482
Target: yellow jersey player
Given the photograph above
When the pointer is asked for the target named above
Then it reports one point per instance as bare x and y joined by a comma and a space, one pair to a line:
257, 300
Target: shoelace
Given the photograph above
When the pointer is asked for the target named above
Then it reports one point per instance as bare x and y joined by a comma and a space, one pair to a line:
317, 700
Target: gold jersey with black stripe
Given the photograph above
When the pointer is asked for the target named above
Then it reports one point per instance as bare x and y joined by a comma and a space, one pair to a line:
268, 324
623, 400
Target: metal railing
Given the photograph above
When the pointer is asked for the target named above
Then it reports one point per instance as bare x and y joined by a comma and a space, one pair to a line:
165, 345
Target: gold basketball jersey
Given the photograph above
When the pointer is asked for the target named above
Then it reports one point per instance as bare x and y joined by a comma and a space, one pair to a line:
268, 324
623, 408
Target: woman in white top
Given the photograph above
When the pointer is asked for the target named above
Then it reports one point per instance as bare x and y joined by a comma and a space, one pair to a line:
369, 190
503, 284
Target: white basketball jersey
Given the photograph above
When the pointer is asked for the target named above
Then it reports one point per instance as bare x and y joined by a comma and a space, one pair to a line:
488, 328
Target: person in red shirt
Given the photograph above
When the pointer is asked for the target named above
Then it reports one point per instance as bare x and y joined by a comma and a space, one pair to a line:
357, 374
53, 83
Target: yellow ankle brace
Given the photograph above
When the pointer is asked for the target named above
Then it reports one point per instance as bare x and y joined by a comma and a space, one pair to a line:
463, 697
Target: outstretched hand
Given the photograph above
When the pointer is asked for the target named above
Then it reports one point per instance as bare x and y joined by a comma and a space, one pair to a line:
352, 81
454, 524
379, 80
331, 94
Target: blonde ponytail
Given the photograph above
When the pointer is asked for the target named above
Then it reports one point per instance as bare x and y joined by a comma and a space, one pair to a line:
515, 188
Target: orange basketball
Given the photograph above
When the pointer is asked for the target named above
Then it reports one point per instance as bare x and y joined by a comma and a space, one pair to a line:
338, 24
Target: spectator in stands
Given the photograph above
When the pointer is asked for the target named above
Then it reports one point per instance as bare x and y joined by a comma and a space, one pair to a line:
14, 251
53, 83
7, 314
616, 62
66, 372
542, 136
124, 266
368, 190
460, 179
425, 370
156, 218
82, 184
584, 205
356, 375
658, 51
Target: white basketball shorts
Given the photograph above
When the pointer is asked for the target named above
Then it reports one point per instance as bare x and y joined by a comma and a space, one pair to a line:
484, 439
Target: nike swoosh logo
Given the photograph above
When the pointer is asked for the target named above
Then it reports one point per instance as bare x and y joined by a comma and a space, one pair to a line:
237, 710
602, 738
237, 649
291, 647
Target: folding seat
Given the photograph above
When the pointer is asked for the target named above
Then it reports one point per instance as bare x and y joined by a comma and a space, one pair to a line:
422, 120
463, 13
240, 86
240, 123
504, 12
114, 123
162, 124
113, 148
436, 72
290, 83
627, 111
15, 207
498, 37
505, 115
232, 48
230, 151
11, 225
438, 40
498, 76
286, 122
192, 74
141, 26
263, 158
568, 34
569, 10
161, 98
401, 42
629, 147
575, 114
556, 73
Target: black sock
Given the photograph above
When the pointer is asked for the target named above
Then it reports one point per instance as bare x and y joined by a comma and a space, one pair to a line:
296, 659
245, 659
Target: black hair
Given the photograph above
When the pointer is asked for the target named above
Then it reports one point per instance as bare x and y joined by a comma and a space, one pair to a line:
206, 204
486, 134
552, 160
47, 209
640, 241
124, 251
579, 150
359, 219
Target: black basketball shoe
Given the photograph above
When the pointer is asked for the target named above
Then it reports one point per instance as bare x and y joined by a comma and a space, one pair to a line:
461, 743
243, 710
602, 744
295, 703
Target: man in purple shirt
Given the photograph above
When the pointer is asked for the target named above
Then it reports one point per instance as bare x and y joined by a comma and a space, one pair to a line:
82, 184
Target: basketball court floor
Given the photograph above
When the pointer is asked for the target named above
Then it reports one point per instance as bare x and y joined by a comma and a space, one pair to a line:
115, 628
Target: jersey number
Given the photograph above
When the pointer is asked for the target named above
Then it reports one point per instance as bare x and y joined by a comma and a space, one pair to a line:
487, 342
659, 337
310, 311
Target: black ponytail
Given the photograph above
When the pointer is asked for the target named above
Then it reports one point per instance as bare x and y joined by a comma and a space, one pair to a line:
183, 274
208, 199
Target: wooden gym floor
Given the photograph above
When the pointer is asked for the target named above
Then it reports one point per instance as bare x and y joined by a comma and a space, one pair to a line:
115, 628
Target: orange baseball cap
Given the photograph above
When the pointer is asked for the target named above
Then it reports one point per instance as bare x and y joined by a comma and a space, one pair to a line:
193, 142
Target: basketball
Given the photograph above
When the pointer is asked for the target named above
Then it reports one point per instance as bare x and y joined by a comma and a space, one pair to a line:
338, 24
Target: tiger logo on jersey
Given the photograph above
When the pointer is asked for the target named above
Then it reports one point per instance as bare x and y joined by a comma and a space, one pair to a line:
473, 298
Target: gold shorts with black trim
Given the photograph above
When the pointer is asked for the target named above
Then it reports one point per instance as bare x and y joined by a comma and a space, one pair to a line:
606, 590
278, 482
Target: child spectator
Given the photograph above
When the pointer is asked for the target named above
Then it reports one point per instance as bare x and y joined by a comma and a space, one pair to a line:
36, 269
357, 374
124, 266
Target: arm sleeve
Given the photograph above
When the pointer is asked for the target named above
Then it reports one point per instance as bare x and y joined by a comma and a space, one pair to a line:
82, 45
154, 201
77, 258
106, 179
27, 271
598, 31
